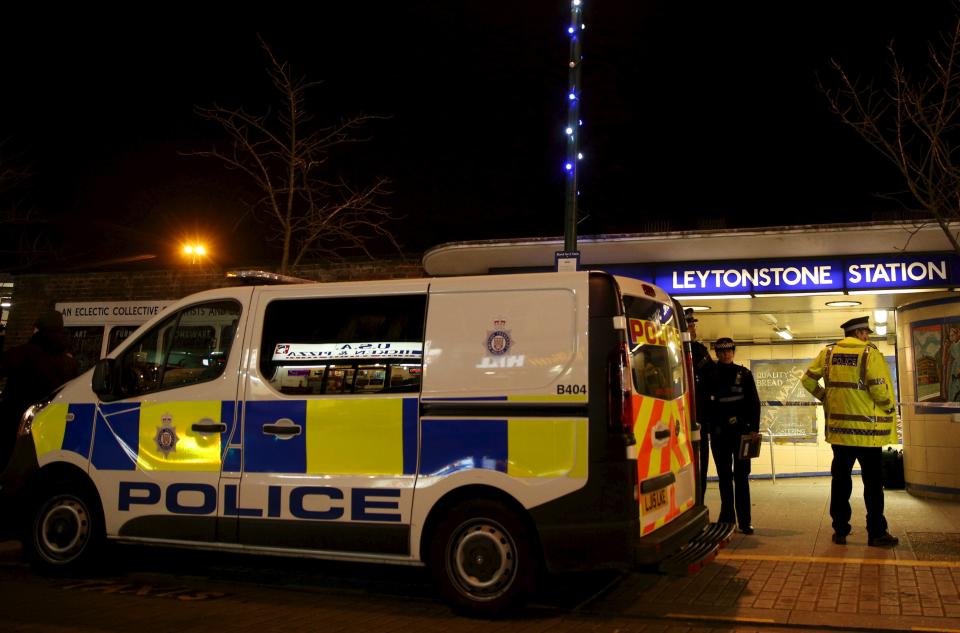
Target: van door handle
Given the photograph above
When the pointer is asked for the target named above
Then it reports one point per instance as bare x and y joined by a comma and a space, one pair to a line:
209, 426
284, 429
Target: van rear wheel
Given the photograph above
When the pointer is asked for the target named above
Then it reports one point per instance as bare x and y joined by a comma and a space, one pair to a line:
65, 530
481, 558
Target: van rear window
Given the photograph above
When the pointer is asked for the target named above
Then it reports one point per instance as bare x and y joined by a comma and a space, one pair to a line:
656, 349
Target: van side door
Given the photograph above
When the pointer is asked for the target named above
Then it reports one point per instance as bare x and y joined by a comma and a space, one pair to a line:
330, 427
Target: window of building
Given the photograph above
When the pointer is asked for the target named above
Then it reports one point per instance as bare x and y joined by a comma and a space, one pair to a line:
118, 334
85, 343
347, 345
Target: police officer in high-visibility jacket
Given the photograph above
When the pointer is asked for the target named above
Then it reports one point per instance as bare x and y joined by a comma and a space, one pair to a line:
859, 410
734, 412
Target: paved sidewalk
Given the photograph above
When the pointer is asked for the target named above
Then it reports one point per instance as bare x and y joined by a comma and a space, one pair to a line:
790, 573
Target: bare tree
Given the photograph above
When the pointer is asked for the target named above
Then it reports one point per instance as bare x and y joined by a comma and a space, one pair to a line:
310, 210
913, 123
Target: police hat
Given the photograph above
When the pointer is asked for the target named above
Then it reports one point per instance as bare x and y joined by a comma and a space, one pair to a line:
859, 323
689, 315
724, 343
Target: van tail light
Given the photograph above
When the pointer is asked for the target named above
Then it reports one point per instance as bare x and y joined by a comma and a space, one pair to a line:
621, 397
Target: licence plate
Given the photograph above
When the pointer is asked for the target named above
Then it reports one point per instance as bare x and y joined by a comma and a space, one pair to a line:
653, 500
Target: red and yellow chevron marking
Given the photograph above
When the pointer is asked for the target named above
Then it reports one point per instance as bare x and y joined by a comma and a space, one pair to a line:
657, 457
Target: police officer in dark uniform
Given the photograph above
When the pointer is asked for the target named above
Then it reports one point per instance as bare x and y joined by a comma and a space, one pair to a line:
702, 370
734, 412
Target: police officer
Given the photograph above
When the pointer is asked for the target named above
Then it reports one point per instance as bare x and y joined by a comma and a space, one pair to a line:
702, 371
859, 408
734, 412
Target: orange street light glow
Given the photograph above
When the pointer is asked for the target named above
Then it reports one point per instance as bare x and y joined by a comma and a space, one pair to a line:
196, 252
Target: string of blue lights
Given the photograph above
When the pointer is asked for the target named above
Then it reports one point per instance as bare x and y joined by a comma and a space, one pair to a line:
574, 125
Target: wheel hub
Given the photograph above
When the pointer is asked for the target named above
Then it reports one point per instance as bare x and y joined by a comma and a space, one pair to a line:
64, 530
484, 560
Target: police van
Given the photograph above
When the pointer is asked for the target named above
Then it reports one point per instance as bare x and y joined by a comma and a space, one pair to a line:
491, 428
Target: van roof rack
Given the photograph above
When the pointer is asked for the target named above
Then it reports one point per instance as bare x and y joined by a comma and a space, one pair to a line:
265, 277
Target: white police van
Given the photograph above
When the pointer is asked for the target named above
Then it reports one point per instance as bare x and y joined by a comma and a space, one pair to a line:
489, 427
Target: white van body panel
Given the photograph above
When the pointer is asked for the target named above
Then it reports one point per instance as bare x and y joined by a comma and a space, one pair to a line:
488, 337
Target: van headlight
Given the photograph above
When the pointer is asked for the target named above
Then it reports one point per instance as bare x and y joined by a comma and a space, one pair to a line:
26, 420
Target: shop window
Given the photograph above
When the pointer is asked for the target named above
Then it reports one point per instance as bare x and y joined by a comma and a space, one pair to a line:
348, 345
85, 343
118, 334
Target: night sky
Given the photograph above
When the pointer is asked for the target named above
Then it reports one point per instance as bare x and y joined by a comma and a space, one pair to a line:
691, 111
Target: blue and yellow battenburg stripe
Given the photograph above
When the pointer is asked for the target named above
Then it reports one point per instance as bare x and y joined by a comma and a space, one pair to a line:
361, 436
51, 431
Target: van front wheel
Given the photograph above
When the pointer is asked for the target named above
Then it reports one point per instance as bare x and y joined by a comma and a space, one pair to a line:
481, 558
65, 529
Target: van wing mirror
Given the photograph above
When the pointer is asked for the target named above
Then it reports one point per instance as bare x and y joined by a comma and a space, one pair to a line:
104, 378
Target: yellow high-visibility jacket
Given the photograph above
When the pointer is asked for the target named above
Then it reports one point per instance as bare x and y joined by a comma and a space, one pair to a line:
859, 405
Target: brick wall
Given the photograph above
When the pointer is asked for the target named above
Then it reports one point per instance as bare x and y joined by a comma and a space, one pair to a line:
34, 294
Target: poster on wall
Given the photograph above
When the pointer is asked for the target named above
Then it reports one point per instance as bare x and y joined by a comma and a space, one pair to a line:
787, 410
936, 362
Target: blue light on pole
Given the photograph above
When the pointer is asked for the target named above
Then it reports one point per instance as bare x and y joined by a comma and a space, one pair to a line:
574, 96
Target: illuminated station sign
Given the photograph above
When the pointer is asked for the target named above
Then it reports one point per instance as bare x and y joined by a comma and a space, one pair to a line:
863, 273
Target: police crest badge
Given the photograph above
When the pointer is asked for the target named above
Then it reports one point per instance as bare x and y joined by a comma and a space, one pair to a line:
166, 437
499, 340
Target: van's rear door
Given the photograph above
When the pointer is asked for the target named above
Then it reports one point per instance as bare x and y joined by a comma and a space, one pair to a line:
661, 407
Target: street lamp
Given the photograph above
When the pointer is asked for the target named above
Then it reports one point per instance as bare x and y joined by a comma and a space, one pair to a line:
195, 252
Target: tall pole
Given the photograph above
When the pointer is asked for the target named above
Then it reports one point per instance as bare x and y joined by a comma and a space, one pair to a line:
575, 31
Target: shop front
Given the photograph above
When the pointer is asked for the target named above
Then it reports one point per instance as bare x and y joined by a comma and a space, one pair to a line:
782, 294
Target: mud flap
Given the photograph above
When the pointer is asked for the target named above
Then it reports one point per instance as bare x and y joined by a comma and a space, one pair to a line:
699, 551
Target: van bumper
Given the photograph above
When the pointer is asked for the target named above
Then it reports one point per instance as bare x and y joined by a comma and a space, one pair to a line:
672, 537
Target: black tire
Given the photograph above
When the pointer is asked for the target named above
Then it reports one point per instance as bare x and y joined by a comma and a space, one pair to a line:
66, 530
481, 558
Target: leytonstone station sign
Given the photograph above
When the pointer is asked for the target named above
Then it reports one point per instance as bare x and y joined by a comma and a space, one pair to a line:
859, 273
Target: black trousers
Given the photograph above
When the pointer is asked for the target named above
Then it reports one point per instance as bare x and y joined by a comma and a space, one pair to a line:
734, 479
841, 484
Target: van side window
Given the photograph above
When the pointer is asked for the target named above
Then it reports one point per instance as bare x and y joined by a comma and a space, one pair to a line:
655, 348
184, 349
344, 345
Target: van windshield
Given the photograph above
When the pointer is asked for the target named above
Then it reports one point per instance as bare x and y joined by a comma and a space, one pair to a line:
655, 348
